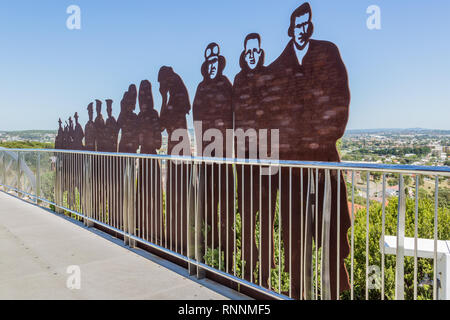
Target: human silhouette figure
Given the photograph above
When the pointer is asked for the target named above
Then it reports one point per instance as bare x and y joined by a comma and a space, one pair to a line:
112, 164
78, 135
100, 128
101, 146
77, 144
90, 131
90, 145
150, 140
111, 129
71, 134
213, 108
59, 136
309, 103
173, 120
129, 143
128, 121
66, 137
248, 89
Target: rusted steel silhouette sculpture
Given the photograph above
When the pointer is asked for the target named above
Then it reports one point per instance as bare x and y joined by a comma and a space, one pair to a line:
110, 145
78, 135
111, 129
100, 128
89, 130
66, 137
101, 143
90, 137
71, 134
129, 143
128, 121
213, 108
173, 119
248, 88
304, 94
309, 101
59, 136
149, 186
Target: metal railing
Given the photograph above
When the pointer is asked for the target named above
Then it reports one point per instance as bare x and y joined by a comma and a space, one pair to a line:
284, 234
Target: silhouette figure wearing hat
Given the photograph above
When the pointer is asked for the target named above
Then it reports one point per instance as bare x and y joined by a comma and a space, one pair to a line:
90, 131
78, 135
111, 129
100, 128
71, 134
212, 108
59, 136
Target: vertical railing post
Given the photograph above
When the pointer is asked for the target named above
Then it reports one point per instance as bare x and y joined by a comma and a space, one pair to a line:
128, 204
18, 185
2, 177
325, 276
58, 182
400, 255
199, 219
88, 190
38, 177
191, 240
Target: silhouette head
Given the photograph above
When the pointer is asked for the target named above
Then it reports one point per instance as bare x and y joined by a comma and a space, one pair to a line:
109, 103
145, 96
98, 107
60, 123
214, 63
76, 117
132, 97
253, 56
70, 122
301, 28
90, 109
165, 79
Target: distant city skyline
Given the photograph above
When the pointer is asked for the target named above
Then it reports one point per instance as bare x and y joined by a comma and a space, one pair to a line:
399, 75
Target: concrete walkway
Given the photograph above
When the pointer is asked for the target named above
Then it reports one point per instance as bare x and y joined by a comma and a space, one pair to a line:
37, 247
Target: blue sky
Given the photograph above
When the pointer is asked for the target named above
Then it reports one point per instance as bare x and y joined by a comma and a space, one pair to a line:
399, 75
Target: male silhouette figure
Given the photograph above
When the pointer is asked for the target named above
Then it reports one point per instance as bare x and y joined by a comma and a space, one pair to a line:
100, 128
111, 129
77, 144
59, 137
248, 92
66, 137
71, 134
101, 146
309, 103
212, 108
78, 135
90, 131
112, 164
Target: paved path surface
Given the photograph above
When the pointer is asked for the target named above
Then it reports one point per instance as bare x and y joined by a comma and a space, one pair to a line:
37, 247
